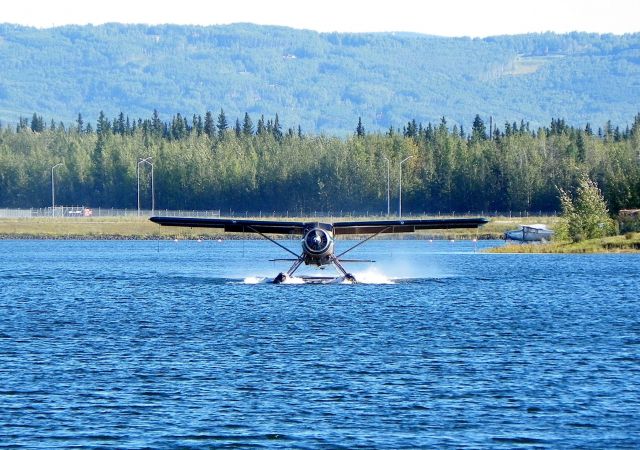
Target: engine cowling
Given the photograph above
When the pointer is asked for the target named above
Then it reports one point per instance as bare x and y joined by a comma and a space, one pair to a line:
317, 242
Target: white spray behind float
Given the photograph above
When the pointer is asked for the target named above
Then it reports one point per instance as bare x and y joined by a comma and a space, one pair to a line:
255, 280
400, 267
372, 275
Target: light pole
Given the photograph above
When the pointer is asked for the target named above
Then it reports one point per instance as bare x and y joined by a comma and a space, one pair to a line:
146, 160
400, 189
53, 191
388, 186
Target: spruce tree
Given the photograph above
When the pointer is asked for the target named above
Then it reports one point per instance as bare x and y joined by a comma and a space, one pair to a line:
197, 124
80, 122
37, 123
208, 125
261, 128
247, 125
102, 126
276, 128
360, 128
222, 124
119, 125
479, 131
156, 124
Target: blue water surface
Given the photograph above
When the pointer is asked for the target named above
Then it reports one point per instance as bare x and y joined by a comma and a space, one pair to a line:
145, 344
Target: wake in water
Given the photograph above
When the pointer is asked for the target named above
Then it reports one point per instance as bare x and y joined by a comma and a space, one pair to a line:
368, 276
392, 271
373, 275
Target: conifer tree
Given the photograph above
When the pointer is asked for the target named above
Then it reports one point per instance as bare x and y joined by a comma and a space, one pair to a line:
119, 125
102, 126
37, 123
587, 130
276, 128
479, 131
156, 124
247, 125
261, 128
197, 124
360, 128
80, 122
208, 125
222, 124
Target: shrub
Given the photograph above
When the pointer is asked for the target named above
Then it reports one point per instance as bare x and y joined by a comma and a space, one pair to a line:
586, 216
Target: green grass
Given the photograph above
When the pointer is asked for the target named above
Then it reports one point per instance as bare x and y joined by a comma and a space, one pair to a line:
142, 228
629, 243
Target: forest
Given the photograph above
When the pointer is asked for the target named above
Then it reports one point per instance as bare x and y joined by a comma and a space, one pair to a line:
256, 164
318, 80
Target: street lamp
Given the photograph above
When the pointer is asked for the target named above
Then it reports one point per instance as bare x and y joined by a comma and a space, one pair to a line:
388, 186
400, 189
146, 160
53, 191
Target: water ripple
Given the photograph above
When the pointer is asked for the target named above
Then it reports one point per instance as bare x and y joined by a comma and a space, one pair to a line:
152, 345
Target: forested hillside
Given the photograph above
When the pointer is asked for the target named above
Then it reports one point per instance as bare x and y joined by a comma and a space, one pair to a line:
320, 81
257, 164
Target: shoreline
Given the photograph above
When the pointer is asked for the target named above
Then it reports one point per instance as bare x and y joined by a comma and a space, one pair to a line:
138, 228
628, 243
141, 229
219, 236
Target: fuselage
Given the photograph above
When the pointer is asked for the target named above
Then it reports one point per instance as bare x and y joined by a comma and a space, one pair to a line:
318, 244
531, 233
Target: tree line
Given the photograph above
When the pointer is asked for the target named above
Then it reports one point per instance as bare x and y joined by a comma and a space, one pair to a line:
208, 162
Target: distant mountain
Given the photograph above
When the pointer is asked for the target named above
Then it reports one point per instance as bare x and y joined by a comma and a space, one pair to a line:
322, 81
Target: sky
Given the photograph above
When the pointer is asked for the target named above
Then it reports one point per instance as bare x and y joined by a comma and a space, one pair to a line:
474, 18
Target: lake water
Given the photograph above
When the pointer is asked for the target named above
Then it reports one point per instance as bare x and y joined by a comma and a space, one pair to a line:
136, 344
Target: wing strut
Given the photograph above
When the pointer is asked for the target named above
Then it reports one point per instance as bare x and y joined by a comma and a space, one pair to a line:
275, 242
363, 241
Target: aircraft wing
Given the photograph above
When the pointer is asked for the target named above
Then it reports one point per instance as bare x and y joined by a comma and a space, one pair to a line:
234, 225
403, 225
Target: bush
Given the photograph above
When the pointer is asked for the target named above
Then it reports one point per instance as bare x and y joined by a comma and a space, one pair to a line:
629, 222
586, 216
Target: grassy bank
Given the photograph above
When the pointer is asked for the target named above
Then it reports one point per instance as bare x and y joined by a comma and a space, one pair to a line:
96, 228
629, 243
142, 228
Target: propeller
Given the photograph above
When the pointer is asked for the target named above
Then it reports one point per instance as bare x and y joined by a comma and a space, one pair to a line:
316, 240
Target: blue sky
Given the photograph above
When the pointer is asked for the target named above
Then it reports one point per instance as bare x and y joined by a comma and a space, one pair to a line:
474, 18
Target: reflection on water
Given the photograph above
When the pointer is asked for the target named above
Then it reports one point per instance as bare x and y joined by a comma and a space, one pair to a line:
189, 345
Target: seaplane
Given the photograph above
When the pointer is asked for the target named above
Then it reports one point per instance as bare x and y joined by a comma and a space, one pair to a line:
318, 238
530, 233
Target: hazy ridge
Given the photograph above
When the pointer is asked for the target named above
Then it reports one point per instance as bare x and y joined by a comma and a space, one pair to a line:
322, 81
